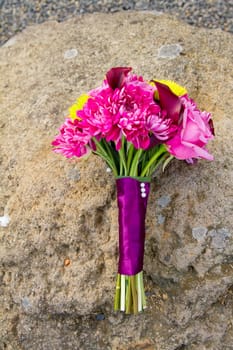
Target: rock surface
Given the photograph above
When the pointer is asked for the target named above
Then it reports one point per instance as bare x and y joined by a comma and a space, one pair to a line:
58, 234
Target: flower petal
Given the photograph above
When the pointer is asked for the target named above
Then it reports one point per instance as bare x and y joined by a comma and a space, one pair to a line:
116, 76
169, 101
211, 125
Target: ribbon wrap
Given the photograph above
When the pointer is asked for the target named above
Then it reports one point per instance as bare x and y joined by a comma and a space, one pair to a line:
132, 196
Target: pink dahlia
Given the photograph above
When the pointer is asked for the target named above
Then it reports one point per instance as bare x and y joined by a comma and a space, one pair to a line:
72, 140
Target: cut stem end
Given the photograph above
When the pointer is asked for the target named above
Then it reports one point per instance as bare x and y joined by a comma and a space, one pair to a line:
130, 295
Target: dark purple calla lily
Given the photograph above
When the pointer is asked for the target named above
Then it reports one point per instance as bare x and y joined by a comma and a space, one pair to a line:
169, 101
116, 76
92, 145
211, 125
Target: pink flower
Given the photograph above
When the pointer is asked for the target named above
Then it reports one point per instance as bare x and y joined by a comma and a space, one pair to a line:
161, 126
111, 113
72, 140
125, 106
136, 105
195, 130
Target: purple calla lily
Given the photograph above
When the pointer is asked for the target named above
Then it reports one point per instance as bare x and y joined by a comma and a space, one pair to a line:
169, 101
116, 76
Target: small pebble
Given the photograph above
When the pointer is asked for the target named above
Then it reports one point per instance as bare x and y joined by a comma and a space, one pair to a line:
4, 220
148, 294
66, 262
73, 174
10, 42
26, 303
163, 201
100, 317
170, 51
199, 233
70, 54
160, 219
219, 238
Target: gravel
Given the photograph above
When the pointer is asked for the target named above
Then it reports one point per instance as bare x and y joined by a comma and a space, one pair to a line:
17, 15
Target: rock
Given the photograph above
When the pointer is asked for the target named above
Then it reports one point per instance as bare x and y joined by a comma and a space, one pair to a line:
4, 220
163, 201
66, 209
220, 238
169, 51
10, 42
199, 233
70, 53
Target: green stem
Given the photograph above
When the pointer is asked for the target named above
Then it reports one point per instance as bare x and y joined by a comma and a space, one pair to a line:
159, 161
111, 154
153, 159
134, 165
134, 294
128, 297
123, 165
122, 301
130, 156
104, 154
139, 290
121, 168
167, 161
107, 160
117, 295
144, 160
143, 291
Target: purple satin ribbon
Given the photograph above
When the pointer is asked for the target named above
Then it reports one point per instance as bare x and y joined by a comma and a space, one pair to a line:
132, 196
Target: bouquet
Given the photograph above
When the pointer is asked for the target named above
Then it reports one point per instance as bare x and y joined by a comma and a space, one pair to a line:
135, 126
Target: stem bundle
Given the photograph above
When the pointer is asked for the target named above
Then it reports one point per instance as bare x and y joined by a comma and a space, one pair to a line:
130, 295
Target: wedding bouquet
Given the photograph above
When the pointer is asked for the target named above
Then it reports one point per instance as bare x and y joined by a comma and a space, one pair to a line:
135, 126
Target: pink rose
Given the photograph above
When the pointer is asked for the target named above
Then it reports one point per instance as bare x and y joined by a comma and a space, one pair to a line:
194, 131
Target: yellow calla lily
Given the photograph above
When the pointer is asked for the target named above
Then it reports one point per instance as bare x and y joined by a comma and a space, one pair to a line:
78, 106
177, 89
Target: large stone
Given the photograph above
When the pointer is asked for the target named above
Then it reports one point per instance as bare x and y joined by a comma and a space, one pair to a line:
59, 231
